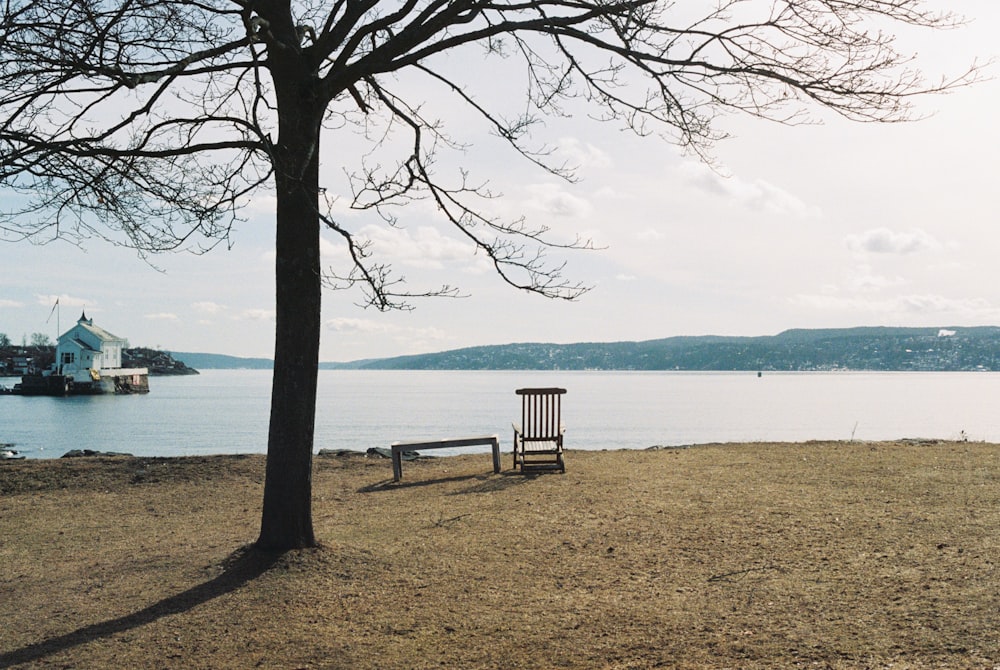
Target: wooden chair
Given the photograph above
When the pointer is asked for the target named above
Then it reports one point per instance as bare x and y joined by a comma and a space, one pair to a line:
538, 439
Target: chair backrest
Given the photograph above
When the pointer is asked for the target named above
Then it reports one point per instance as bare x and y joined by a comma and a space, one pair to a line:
541, 412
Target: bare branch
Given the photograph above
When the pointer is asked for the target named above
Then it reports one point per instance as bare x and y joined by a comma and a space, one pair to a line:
413, 179
91, 95
380, 288
150, 122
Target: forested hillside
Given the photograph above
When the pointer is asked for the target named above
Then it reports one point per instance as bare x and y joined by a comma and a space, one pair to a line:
945, 349
927, 349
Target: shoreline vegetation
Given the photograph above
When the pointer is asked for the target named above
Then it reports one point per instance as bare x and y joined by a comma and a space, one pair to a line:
752, 555
873, 349
881, 349
16, 361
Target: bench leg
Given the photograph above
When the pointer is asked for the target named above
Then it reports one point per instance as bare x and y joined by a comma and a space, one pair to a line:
496, 456
397, 465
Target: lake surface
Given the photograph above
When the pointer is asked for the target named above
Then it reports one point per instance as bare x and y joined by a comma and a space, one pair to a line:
226, 411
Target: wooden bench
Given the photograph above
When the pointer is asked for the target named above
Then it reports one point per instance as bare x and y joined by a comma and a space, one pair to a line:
399, 447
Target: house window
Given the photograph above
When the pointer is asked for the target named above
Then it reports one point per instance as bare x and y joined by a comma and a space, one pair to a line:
68, 357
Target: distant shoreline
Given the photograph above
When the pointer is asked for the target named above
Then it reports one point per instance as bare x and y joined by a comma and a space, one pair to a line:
324, 454
876, 349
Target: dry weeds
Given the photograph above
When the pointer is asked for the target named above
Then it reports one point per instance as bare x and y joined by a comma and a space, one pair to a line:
818, 555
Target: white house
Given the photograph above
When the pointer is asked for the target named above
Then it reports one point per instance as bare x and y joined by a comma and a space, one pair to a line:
88, 361
86, 347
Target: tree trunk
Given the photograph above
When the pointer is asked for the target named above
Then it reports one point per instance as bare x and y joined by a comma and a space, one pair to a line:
286, 521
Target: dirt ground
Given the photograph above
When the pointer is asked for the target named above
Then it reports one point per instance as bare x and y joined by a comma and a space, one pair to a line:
815, 555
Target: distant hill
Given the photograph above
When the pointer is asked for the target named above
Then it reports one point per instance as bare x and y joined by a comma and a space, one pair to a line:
944, 349
222, 362
878, 348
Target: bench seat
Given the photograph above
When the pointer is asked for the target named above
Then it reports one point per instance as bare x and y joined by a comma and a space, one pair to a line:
398, 448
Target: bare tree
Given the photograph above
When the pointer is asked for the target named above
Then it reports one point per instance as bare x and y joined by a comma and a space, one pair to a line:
39, 340
150, 122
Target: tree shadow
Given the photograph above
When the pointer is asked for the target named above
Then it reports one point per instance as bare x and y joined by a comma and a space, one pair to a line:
390, 484
500, 482
481, 483
243, 566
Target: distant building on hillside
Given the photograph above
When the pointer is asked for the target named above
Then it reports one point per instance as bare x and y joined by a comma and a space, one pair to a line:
23, 364
88, 361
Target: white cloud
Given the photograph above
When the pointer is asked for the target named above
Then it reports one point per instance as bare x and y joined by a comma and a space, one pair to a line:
424, 246
427, 334
757, 195
886, 241
351, 325
10, 303
867, 282
583, 154
328, 251
64, 300
903, 306
257, 314
609, 192
625, 277
554, 200
263, 202
207, 307
162, 316
410, 337
925, 304
480, 265
650, 234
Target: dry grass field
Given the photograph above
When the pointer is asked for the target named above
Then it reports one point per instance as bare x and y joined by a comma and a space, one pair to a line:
815, 555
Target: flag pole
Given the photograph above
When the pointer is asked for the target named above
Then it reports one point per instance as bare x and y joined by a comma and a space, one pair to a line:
55, 308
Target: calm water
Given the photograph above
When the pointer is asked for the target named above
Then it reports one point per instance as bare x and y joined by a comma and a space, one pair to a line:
227, 411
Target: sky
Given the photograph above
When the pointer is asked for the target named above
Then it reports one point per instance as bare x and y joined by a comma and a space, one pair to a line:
830, 225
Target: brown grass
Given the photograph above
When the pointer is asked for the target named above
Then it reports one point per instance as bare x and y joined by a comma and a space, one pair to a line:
818, 555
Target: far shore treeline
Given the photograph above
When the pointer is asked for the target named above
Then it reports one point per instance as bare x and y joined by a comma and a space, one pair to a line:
945, 349
39, 353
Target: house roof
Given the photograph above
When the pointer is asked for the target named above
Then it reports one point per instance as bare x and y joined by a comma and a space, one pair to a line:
81, 344
104, 335
96, 331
